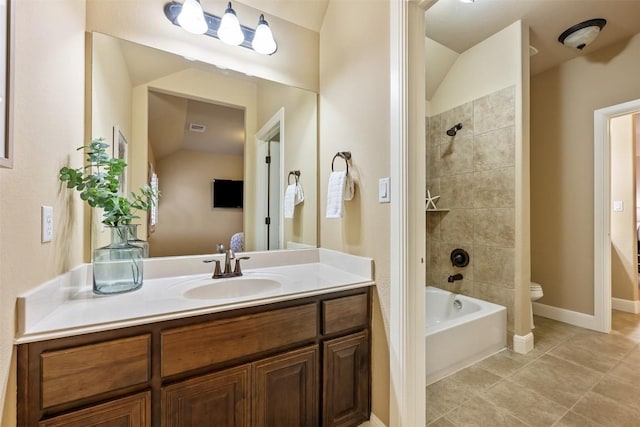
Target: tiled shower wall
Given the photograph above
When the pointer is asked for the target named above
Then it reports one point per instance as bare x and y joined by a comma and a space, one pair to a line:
474, 174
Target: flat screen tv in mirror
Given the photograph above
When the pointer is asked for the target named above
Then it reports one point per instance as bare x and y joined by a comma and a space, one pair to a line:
227, 193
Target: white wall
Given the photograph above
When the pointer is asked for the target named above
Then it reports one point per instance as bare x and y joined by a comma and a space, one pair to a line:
144, 22
48, 127
301, 143
624, 264
354, 116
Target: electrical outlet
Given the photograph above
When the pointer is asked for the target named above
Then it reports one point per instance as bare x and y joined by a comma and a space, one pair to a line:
47, 224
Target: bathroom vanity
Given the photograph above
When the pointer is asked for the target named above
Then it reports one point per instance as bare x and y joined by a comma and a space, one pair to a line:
287, 358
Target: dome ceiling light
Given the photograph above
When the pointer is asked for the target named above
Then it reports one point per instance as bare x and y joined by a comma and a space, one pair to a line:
190, 16
581, 35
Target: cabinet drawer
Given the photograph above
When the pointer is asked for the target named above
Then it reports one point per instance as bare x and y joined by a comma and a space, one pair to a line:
345, 313
89, 370
132, 411
197, 346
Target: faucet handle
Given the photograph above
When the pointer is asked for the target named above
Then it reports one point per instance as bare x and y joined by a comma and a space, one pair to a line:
237, 271
216, 270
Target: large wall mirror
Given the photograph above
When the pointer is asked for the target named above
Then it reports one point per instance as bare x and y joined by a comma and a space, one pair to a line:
188, 124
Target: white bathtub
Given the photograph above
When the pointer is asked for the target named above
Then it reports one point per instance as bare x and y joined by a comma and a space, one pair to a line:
458, 337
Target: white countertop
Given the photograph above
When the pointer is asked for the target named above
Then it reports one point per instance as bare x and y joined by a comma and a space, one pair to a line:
66, 305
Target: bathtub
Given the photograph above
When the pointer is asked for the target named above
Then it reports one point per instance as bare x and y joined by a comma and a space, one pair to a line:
460, 331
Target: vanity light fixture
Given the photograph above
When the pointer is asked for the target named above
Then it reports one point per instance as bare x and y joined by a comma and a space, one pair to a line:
582, 34
191, 17
227, 29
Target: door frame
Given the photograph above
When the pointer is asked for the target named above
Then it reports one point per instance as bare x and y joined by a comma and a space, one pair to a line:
602, 211
274, 125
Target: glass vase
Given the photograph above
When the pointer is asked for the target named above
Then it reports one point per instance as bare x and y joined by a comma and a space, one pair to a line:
135, 241
117, 267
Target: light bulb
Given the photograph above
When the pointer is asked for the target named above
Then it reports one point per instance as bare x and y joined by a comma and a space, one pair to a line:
229, 30
263, 41
191, 17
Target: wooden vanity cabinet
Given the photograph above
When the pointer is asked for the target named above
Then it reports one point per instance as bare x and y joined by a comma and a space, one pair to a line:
295, 363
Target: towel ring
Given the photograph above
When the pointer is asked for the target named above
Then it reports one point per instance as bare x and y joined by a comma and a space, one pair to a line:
296, 175
346, 155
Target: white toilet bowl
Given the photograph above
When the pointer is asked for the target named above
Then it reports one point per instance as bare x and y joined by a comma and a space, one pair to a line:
535, 292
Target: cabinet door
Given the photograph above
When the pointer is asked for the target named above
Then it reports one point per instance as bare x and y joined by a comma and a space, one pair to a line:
132, 411
285, 389
220, 399
345, 387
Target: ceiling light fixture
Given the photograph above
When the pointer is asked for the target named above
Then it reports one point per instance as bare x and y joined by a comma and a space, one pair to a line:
227, 29
581, 35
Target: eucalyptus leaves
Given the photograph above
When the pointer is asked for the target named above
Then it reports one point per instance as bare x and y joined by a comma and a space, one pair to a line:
99, 185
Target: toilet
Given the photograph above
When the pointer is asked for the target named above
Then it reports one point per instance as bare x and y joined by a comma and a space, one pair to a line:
535, 292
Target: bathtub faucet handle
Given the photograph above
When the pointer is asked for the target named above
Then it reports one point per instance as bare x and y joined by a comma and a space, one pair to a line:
455, 277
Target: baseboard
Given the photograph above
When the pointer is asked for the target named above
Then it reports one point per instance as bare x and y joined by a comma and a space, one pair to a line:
567, 316
626, 305
373, 422
523, 344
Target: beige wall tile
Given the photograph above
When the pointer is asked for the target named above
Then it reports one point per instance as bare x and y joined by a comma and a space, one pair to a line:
494, 265
494, 111
494, 188
457, 227
494, 227
456, 191
494, 149
456, 157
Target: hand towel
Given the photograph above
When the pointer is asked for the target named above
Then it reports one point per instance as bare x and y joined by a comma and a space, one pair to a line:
299, 196
289, 200
335, 194
349, 188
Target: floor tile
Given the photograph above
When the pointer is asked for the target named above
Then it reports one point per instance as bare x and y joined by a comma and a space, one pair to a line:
479, 412
572, 419
476, 378
606, 412
525, 404
557, 379
442, 422
624, 393
594, 350
445, 395
505, 363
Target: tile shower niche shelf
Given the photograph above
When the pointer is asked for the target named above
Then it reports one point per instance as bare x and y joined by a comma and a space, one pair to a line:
437, 210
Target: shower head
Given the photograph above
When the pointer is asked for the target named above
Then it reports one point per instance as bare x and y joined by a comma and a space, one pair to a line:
454, 129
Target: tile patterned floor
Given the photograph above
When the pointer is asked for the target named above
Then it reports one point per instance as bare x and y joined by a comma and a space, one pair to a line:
573, 377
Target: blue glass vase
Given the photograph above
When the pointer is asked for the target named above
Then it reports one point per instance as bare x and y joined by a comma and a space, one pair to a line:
117, 267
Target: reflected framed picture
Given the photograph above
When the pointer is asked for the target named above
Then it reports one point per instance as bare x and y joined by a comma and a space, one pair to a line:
6, 85
120, 152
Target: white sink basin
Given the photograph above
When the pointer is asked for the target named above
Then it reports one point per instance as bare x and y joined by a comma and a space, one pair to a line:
236, 287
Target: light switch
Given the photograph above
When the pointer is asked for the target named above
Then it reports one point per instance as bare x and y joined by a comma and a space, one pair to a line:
618, 206
383, 191
47, 223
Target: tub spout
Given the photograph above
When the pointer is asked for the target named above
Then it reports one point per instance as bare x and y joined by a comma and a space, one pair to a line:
455, 277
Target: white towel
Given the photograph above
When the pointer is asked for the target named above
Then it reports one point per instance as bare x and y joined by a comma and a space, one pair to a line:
289, 200
299, 196
340, 188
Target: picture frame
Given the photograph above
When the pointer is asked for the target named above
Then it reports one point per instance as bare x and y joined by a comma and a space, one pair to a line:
6, 87
120, 151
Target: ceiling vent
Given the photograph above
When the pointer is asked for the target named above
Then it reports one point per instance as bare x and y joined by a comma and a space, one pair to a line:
194, 127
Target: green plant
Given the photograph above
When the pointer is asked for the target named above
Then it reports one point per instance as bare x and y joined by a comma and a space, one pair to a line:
99, 185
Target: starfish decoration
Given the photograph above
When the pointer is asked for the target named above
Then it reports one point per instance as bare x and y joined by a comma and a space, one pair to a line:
431, 200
